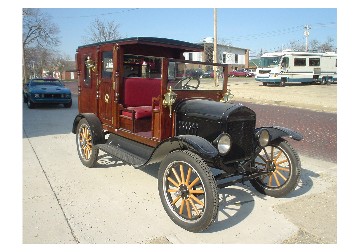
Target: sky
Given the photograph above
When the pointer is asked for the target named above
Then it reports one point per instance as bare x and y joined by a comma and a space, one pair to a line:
266, 29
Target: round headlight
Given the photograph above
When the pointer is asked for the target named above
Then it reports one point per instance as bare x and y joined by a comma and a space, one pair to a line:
224, 143
264, 137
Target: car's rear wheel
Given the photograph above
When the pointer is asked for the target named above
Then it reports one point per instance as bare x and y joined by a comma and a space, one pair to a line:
88, 153
188, 191
284, 165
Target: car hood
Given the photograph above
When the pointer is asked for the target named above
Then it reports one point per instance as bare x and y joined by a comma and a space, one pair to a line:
49, 89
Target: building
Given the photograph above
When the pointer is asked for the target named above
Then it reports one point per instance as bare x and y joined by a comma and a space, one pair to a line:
235, 57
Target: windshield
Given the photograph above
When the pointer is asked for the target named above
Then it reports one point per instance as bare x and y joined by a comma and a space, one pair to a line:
270, 61
46, 82
195, 76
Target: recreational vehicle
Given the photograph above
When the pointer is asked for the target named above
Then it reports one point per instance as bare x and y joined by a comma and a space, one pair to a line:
297, 67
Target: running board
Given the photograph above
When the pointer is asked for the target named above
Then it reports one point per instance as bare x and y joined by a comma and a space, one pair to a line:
131, 152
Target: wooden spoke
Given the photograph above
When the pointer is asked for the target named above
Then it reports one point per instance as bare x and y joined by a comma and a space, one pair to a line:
182, 174
262, 164
176, 175
282, 161
194, 207
282, 176
173, 182
188, 208
270, 180
196, 199
172, 190
276, 179
193, 183
286, 168
196, 191
188, 177
278, 155
176, 200
182, 207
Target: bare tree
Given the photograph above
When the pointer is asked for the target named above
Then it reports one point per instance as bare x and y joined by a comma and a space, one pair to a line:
100, 31
38, 32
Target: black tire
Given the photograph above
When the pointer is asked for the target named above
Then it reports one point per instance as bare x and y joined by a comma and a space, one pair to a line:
324, 81
287, 168
282, 83
87, 152
25, 98
30, 104
68, 105
188, 191
264, 83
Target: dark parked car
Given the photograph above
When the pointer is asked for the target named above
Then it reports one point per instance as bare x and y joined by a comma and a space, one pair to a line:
46, 91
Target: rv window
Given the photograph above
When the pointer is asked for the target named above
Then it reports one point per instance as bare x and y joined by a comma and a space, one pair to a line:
300, 62
107, 64
314, 61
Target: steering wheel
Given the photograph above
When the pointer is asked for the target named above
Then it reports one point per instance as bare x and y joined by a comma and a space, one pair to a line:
132, 75
185, 85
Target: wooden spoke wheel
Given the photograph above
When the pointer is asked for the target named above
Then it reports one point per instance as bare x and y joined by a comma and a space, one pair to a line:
283, 166
188, 191
84, 139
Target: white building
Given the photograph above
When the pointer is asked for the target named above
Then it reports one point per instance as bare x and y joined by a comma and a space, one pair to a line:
235, 57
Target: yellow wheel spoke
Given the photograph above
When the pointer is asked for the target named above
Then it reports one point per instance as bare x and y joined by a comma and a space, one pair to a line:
278, 155
282, 168
194, 207
176, 200
182, 207
196, 191
262, 164
282, 161
188, 209
270, 180
282, 176
182, 174
197, 200
176, 175
173, 182
188, 177
172, 190
276, 179
193, 183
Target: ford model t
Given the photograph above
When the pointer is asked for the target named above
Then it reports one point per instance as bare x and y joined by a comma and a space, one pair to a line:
142, 102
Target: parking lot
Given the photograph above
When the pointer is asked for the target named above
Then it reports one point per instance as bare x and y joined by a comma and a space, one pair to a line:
65, 202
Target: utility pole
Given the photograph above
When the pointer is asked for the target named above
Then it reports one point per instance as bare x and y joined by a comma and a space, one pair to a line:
215, 47
306, 34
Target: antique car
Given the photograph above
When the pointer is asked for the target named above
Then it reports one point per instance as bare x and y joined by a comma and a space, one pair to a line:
46, 91
138, 103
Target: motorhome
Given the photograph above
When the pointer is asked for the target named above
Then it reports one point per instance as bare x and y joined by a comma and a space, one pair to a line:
288, 67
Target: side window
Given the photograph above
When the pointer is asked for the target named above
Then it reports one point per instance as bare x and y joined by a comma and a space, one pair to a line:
314, 61
285, 62
107, 64
300, 62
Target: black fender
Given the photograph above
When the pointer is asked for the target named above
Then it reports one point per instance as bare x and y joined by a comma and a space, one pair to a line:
277, 132
95, 126
196, 144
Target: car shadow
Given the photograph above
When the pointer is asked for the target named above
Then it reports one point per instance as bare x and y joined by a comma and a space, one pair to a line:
236, 202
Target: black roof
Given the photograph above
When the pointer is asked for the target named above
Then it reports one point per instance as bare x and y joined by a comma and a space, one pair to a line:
154, 41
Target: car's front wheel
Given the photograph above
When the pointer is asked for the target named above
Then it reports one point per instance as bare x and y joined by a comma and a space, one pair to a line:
188, 191
284, 168
68, 105
29, 103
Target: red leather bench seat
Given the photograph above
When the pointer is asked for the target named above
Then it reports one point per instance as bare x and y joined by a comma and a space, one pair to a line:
138, 94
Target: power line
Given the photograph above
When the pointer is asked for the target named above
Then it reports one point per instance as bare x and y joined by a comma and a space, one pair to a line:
100, 14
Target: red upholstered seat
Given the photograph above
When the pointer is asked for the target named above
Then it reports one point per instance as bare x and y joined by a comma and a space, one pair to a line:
138, 95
